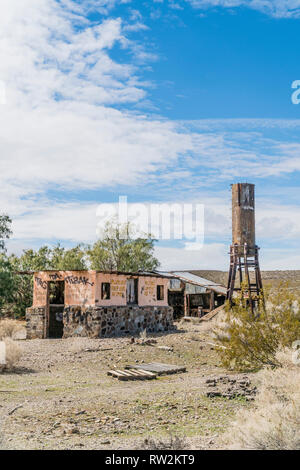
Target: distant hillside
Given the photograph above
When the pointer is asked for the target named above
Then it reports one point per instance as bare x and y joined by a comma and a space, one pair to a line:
267, 276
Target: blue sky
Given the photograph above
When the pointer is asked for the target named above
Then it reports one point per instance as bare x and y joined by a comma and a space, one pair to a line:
162, 101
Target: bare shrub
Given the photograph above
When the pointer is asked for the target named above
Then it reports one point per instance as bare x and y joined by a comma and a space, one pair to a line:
171, 443
274, 421
8, 328
143, 335
13, 353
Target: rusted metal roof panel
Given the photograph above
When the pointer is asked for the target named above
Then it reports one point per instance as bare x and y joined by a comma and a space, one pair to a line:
199, 281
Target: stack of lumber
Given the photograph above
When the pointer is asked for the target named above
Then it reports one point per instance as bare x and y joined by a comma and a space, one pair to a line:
131, 375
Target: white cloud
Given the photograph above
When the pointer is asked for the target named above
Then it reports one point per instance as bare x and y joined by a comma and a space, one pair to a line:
57, 128
60, 129
276, 8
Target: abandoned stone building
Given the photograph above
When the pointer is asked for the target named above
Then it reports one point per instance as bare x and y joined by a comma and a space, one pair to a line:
98, 304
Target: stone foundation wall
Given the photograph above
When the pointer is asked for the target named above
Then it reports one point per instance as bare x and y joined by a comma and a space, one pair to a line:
35, 321
98, 322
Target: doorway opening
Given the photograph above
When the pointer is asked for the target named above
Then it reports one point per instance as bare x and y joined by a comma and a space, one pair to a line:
56, 302
132, 291
176, 300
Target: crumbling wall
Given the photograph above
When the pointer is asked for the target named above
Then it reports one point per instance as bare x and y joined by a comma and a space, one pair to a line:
148, 291
117, 289
111, 321
35, 322
79, 286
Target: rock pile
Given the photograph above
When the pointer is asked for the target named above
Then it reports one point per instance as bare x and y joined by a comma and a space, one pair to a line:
229, 386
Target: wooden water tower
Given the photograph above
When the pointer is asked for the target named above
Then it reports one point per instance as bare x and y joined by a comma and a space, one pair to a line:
244, 264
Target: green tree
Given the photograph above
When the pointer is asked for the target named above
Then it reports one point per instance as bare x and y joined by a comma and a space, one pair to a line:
119, 249
6, 275
5, 230
72, 259
30, 260
42, 259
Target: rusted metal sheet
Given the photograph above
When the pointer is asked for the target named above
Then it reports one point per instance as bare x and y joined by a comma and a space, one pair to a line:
243, 216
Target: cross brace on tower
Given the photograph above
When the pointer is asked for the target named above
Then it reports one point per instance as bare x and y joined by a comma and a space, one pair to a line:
244, 262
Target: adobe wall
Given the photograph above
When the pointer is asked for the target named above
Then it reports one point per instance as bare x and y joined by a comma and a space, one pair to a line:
146, 290
79, 287
84, 288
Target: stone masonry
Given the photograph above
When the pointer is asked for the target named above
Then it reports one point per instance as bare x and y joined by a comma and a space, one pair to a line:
111, 321
35, 321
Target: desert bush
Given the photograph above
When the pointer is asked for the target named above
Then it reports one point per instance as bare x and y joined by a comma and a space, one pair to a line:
274, 421
171, 443
8, 328
13, 353
250, 341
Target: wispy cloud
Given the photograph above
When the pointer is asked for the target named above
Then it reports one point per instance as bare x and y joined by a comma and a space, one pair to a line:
276, 8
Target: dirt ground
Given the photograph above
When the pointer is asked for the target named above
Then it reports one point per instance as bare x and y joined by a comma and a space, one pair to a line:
60, 396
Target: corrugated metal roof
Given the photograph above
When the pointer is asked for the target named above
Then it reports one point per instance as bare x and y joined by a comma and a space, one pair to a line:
199, 281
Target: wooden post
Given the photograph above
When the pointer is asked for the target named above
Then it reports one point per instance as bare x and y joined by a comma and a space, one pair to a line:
212, 300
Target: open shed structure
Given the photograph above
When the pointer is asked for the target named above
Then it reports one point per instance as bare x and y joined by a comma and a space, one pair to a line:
193, 296
97, 304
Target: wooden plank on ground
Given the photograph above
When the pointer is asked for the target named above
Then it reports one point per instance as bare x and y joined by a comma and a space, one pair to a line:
131, 374
159, 368
118, 375
147, 372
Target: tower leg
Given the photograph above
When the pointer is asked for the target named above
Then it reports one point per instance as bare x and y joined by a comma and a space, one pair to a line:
250, 282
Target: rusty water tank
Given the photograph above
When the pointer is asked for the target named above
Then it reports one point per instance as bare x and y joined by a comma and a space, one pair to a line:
243, 216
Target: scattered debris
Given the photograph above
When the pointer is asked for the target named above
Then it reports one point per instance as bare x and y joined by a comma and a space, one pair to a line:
146, 342
165, 348
230, 387
212, 314
15, 409
159, 369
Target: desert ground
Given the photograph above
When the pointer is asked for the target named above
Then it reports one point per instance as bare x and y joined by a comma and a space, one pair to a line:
60, 396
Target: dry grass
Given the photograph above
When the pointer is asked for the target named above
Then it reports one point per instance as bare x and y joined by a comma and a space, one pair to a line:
274, 422
8, 328
13, 353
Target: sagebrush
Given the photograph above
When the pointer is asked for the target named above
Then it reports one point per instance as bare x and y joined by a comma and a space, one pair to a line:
8, 328
13, 354
250, 341
274, 421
